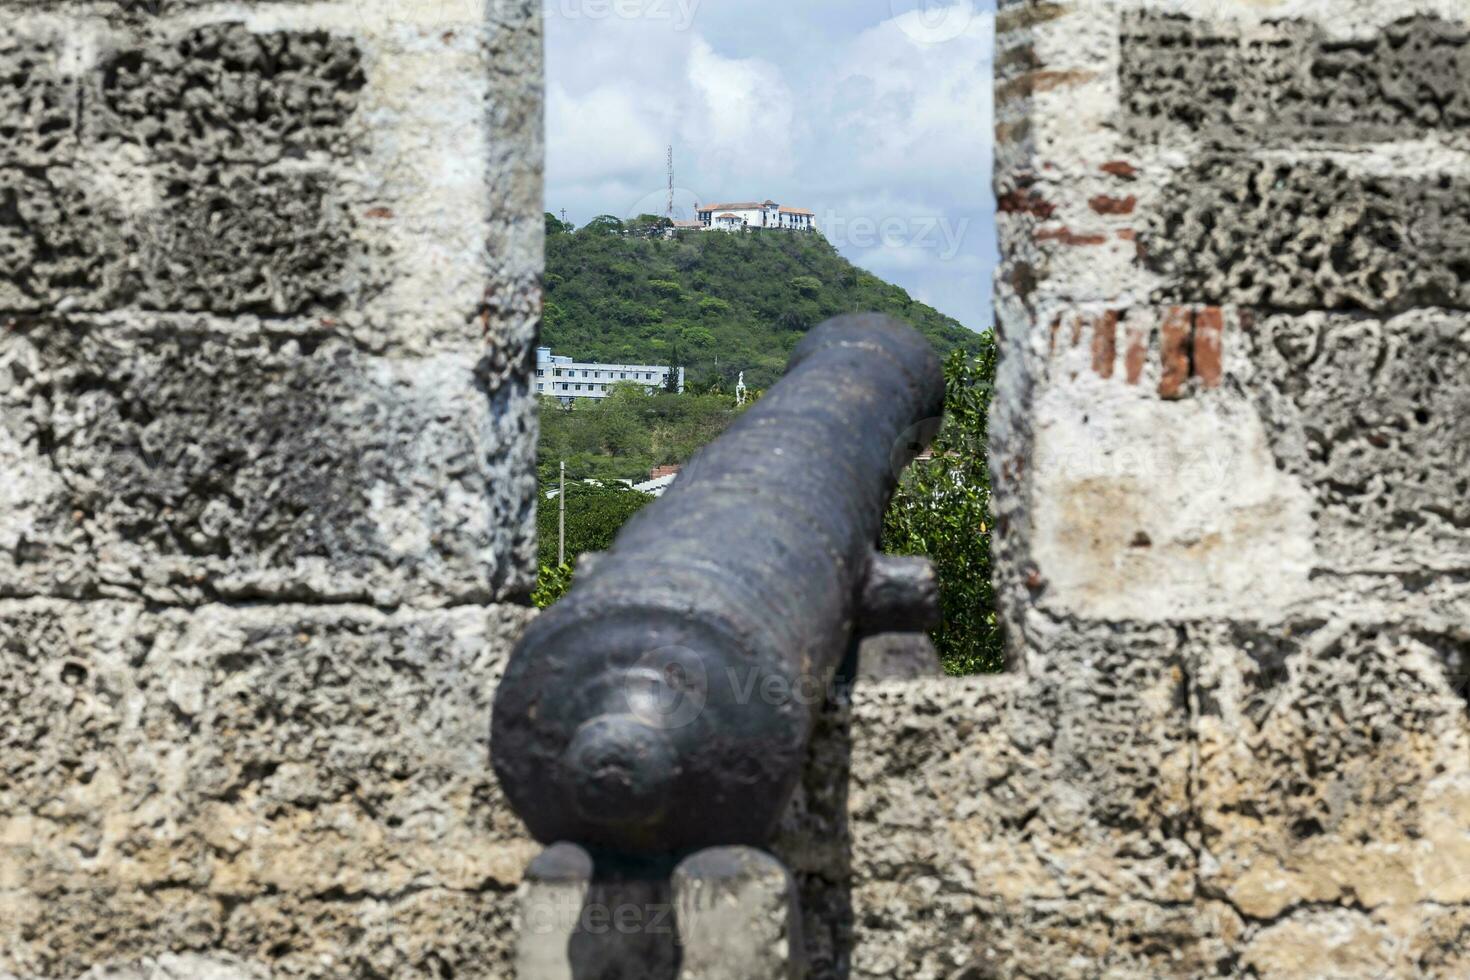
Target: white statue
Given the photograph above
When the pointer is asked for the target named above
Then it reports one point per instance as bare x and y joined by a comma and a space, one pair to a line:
740, 391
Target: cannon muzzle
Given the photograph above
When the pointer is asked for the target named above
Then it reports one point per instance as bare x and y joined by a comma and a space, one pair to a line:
665, 703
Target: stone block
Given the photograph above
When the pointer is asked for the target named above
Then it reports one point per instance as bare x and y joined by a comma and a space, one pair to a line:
1332, 766
738, 917
188, 466
1372, 415
305, 788
1290, 81
1009, 823
552, 898
350, 169
1317, 234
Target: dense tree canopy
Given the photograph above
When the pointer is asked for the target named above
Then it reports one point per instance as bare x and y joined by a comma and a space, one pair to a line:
626, 434
721, 304
595, 513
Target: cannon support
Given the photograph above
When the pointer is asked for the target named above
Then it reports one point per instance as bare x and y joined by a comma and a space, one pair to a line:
665, 703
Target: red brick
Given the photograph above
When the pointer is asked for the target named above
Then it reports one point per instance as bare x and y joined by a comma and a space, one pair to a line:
1120, 168
1137, 354
1209, 329
1067, 237
1105, 343
1029, 84
1023, 279
1025, 202
1103, 204
1174, 344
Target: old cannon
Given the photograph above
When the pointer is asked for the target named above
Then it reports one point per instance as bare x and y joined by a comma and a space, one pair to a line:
665, 703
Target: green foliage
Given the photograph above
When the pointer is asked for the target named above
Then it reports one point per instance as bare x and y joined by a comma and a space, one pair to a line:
711, 306
551, 585
942, 510
648, 226
595, 515
619, 297
628, 433
556, 226
604, 225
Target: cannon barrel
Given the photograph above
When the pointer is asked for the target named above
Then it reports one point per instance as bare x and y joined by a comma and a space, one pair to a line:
664, 704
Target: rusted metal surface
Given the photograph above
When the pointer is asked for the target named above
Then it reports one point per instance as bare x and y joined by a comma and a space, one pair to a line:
665, 703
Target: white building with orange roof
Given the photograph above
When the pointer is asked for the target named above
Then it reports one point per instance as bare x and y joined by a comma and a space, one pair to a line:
748, 215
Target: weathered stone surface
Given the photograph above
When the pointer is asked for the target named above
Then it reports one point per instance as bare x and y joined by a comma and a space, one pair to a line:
1193, 799
270, 782
217, 202
1230, 412
737, 916
1316, 788
991, 824
248, 162
1374, 417
268, 287
1312, 234
1289, 81
185, 464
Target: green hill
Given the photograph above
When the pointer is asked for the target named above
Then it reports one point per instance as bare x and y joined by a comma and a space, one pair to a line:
718, 304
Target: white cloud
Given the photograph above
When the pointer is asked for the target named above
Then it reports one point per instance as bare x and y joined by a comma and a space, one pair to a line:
914, 113
883, 120
742, 119
927, 23
608, 132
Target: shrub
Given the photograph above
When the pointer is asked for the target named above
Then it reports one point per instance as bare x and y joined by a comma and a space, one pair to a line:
942, 510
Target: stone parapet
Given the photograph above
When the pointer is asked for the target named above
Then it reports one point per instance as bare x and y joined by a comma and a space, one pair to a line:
269, 288
1227, 452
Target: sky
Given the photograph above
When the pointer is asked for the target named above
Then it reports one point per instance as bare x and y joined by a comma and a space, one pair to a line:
875, 114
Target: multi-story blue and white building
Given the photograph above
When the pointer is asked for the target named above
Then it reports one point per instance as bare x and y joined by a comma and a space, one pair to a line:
566, 380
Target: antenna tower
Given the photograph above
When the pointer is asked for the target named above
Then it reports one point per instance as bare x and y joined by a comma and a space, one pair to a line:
671, 183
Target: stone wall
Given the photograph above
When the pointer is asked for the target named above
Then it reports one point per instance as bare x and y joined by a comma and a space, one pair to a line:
268, 296
1230, 453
